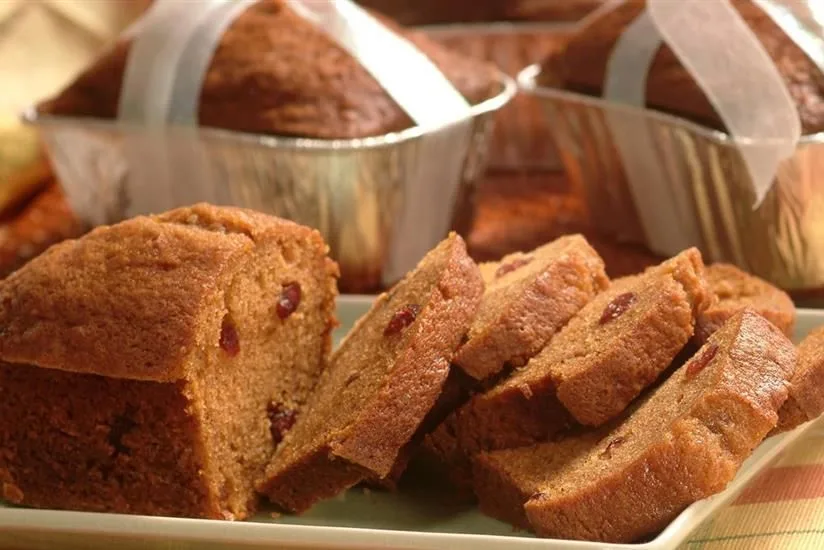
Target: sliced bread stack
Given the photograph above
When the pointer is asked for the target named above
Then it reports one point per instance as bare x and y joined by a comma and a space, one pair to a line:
569, 405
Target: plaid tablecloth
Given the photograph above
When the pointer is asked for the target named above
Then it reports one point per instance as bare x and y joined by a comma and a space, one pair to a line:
783, 508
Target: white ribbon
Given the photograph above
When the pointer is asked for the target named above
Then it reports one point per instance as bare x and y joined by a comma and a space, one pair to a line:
740, 79
728, 62
663, 211
172, 47
174, 43
407, 75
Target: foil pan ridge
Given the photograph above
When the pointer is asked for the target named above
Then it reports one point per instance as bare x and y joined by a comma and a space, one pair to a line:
781, 241
353, 190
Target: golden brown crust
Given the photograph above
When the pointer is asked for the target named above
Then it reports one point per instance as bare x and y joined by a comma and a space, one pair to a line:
275, 73
683, 443
806, 399
734, 290
529, 297
383, 380
582, 67
140, 286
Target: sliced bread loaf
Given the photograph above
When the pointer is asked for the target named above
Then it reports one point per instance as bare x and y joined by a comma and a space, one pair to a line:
683, 443
139, 362
528, 298
609, 352
383, 380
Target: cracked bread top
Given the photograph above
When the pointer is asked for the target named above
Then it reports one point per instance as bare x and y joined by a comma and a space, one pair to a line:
128, 300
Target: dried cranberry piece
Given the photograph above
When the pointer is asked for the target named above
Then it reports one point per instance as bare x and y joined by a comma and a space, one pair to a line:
229, 341
699, 363
281, 420
512, 266
289, 300
617, 307
404, 317
614, 444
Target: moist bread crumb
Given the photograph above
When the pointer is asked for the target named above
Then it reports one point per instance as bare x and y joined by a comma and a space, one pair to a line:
682, 443
734, 290
382, 382
617, 345
138, 362
529, 297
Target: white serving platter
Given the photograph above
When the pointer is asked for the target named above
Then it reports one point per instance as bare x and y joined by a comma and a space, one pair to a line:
359, 519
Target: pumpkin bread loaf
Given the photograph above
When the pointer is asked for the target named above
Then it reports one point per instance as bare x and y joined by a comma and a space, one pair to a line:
683, 443
616, 346
528, 298
806, 399
581, 66
274, 72
734, 290
382, 382
142, 363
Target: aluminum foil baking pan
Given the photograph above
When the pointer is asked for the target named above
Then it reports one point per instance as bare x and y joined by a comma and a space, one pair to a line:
782, 240
522, 140
379, 202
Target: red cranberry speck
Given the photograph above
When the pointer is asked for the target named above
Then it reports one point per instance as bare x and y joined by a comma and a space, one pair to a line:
617, 307
289, 300
229, 341
402, 319
699, 363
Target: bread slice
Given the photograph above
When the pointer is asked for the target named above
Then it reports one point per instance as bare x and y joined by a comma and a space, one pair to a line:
383, 380
683, 443
734, 290
806, 399
139, 362
528, 298
615, 347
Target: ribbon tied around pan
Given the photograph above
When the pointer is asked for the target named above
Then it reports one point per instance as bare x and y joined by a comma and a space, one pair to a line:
168, 158
728, 62
174, 42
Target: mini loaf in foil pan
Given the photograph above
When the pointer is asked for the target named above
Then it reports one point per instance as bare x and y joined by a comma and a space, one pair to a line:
700, 168
286, 120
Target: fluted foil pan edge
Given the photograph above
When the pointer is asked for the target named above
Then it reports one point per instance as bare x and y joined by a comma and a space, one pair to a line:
354, 191
782, 240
